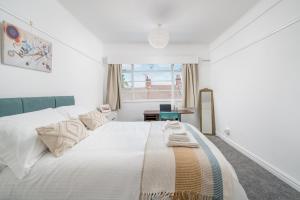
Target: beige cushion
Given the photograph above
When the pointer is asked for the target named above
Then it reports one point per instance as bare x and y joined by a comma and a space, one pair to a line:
63, 135
93, 119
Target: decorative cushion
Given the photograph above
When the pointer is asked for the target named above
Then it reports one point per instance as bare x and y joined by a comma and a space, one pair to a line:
63, 135
20, 147
93, 119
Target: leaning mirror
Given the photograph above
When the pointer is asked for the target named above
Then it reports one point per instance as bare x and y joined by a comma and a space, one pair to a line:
207, 115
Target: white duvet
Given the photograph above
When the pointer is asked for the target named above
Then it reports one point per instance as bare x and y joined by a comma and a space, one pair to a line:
105, 166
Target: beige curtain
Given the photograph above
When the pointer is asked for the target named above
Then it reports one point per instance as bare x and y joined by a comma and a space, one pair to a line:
190, 85
113, 96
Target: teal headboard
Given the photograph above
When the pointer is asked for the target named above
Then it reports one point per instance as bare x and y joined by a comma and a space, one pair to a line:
13, 106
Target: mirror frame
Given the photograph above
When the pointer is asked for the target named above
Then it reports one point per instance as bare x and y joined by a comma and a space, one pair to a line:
213, 127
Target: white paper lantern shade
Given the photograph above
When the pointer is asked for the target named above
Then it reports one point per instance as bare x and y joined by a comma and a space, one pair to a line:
159, 38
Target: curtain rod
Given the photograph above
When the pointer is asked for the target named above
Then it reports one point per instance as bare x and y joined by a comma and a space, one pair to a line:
29, 23
203, 60
148, 59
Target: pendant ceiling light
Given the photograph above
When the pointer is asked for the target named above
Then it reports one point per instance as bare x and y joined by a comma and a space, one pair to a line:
159, 37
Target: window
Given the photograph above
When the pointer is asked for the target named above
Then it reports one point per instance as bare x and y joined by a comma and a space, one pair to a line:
151, 82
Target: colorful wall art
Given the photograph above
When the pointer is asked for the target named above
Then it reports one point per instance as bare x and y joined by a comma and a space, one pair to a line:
23, 49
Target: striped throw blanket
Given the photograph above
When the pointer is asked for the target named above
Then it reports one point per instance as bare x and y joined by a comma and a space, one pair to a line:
181, 173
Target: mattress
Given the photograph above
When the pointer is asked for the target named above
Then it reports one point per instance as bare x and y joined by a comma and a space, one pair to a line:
107, 165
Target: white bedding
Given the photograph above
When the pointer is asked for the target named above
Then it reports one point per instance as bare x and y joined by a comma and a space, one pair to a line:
105, 166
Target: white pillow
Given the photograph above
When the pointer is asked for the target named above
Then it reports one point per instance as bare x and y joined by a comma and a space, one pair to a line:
20, 146
72, 111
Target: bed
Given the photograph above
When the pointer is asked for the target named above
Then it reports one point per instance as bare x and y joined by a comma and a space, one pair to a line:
124, 161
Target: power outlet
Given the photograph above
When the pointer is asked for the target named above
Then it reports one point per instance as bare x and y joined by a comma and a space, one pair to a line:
227, 131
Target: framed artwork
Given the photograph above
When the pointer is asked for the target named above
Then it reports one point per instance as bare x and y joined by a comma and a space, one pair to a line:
23, 49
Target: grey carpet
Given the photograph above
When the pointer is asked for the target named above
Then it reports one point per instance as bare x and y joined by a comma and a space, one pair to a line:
258, 183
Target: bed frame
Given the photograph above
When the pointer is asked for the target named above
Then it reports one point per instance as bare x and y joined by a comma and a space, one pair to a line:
13, 106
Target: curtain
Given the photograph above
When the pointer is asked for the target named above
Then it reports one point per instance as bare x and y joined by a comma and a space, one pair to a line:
113, 96
190, 85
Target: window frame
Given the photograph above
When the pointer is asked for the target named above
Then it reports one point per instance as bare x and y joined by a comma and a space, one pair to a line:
132, 88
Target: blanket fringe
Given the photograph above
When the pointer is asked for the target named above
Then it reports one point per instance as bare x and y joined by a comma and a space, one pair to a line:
175, 196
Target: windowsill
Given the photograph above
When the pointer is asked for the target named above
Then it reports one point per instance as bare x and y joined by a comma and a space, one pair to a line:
151, 100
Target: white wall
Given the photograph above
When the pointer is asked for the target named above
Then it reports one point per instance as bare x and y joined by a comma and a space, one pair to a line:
75, 72
255, 75
144, 53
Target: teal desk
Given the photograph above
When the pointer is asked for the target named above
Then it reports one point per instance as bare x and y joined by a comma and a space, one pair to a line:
153, 115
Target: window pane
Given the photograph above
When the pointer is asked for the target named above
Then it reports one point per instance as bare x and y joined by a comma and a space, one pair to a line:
160, 85
177, 74
141, 84
152, 94
139, 76
126, 79
151, 67
126, 67
153, 76
126, 76
178, 80
160, 95
177, 67
127, 85
127, 94
151, 81
177, 94
161, 76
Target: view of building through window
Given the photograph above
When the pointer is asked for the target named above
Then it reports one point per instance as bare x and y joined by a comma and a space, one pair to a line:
151, 81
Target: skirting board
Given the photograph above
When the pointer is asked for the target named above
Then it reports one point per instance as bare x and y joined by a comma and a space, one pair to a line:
272, 169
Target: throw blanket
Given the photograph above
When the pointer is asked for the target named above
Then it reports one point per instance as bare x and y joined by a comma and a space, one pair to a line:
181, 173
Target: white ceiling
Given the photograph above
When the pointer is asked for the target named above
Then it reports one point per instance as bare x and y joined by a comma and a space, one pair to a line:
128, 21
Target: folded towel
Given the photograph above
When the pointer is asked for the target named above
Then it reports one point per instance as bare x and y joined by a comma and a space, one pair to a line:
171, 125
173, 122
179, 132
182, 144
185, 140
179, 138
172, 128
